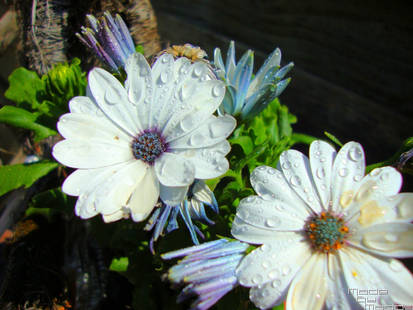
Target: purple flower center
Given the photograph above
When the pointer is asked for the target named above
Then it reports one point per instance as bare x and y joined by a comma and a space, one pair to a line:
148, 146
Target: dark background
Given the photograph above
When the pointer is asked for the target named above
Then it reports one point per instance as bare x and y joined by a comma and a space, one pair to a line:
353, 69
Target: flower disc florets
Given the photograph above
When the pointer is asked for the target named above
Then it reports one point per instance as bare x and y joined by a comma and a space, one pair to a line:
148, 146
326, 232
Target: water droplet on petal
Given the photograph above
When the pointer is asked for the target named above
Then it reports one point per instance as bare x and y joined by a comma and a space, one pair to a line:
375, 172
196, 139
273, 274
272, 223
265, 264
391, 237
113, 96
385, 176
218, 90
320, 173
355, 153
257, 279
286, 270
286, 165
343, 172
276, 283
164, 60
295, 180
357, 178
395, 265
265, 247
198, 70
164, 77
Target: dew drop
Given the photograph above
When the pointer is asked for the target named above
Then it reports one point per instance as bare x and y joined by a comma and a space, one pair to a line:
286, 270
375, 172
320, 173
164, 77
395, 265
357, 178
322, 159
295, 180
271, 171
218, 90
272, 223
391, 237
266, 264
355, 154
165, 60
265, 247
273, 274
385, 176
286, 165
198, 70
196, 139
257, 279
343, 172
113, 96
276, 283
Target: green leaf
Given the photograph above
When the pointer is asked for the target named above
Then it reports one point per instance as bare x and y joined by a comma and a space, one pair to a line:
15, 176
139, 49
333, 138
119, 264
21, 118
245, 142
25, 87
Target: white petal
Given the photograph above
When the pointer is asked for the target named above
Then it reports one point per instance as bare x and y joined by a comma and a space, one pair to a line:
144, 197
278, 260
338, 296
173, 196
176, 96
202, 192
195, 110
139, 87
85, 105
84, 154
375, 201
245, 232
296, 169
92, 128
367, 272
84, 183
322, 156
270, 215
211, 132
300, 295
117, 215
115, 192
270, 184
348, 170
81, 180
163, 83
209, 162
388, 239
173, 170
112, 98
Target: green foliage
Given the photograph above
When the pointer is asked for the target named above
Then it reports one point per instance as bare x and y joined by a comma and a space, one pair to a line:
119, 264
22, 118
333, 139
43, 99
139, 49
15, 176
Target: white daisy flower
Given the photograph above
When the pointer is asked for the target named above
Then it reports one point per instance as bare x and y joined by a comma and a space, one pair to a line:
327, 232
146, 140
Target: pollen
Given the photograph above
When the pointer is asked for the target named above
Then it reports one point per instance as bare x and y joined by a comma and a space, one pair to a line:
326, 232
148, 146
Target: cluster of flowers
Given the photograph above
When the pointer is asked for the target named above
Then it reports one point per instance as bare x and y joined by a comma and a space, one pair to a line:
321, 227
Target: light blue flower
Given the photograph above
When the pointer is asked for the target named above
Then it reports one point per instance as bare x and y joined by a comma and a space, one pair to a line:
109, 38
207, 271
247, 96
164, 218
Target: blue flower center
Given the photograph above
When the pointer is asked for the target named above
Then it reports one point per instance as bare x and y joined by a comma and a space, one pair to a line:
326, 232
148, 146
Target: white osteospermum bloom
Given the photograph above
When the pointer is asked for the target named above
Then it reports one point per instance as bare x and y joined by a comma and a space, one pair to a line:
146, 140
327, 232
